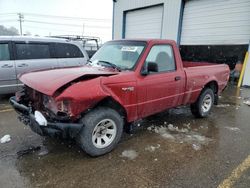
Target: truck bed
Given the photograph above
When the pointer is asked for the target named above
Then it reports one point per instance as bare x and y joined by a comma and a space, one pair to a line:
198, 73
187, 64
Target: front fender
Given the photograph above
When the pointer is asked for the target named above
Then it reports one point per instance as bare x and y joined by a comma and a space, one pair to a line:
83, 95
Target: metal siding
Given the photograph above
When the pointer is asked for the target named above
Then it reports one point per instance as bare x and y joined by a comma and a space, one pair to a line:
170, 20
145, 22
216, 22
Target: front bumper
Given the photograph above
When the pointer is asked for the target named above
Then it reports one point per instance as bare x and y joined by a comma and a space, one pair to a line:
53, 129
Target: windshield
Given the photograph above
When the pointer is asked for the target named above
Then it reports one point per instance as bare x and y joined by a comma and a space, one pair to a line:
120, 55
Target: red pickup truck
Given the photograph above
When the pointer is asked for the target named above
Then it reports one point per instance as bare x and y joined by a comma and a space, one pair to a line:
124, 81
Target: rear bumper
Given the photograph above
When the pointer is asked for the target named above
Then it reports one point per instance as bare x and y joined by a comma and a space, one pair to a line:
53, 129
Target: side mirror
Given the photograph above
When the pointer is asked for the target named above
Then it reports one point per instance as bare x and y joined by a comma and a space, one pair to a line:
149, 67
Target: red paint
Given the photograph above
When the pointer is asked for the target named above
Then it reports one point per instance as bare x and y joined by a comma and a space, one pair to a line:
151, 94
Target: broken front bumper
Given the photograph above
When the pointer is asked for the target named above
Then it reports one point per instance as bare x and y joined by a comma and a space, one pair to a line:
39, 124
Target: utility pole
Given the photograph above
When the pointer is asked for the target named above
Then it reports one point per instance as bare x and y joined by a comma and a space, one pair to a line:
20, 19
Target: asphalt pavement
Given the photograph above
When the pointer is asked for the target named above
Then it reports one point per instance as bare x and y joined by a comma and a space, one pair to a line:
170, 149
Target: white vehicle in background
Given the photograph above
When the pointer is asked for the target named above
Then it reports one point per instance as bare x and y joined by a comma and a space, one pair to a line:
21, 54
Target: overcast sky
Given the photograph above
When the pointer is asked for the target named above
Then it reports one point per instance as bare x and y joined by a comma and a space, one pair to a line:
54, 17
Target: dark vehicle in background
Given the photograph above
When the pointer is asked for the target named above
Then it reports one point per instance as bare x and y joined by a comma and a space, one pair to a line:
23, 54
90, 44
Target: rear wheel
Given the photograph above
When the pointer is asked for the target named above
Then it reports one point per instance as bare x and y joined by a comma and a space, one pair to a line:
101, 132
204, 103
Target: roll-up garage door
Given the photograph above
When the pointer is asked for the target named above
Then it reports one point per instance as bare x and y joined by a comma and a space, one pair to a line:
216, 22
144, 23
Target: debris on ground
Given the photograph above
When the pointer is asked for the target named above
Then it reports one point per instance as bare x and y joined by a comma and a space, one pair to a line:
6, 138
222, 105
233, 129
247, 102
31, 149
130, 154
152, 148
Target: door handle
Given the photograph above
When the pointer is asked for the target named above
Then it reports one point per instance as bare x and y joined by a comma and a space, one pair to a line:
177, 78
23, 65
7, 66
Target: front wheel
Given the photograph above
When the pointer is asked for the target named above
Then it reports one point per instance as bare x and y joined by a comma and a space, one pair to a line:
102, 131
204, 103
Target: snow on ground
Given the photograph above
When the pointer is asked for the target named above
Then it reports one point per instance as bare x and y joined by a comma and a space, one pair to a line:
130, 154
6, 138
152, 148
222, 105
247, 102
180, 135
233, 129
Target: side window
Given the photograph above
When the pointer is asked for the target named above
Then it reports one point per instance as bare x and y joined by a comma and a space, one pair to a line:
163, 56
4, 52
32, 51
67, 51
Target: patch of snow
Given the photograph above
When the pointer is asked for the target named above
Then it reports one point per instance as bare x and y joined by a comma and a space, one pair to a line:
233, 129
6, 138
168, 136
222, 105
187, 125
43, 152
196, 147
149, 128
199, 138
152, 148
171, 127
182, 135
247, 102
130, 154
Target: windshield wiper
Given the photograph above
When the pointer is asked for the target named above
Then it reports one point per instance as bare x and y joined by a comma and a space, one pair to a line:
111, 64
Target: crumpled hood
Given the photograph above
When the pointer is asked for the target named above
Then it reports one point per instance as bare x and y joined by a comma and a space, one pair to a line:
49, 81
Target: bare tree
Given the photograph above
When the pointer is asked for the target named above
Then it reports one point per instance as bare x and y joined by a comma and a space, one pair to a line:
8, 31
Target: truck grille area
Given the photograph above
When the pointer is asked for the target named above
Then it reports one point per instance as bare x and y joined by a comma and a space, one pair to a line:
41, 102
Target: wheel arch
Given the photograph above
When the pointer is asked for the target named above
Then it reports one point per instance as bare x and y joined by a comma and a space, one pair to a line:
113, 104
215, 87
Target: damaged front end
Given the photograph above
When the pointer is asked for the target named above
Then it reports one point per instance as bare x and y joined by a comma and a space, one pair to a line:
44, 114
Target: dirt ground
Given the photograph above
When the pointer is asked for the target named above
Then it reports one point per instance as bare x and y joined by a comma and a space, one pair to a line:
171, 149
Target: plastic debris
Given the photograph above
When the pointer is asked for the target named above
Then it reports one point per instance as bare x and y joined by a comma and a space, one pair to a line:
6, 138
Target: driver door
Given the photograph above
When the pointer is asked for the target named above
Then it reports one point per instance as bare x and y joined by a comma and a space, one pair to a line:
160, 90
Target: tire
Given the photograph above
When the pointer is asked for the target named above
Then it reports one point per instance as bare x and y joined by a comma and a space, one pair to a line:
202, 107
101, 132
